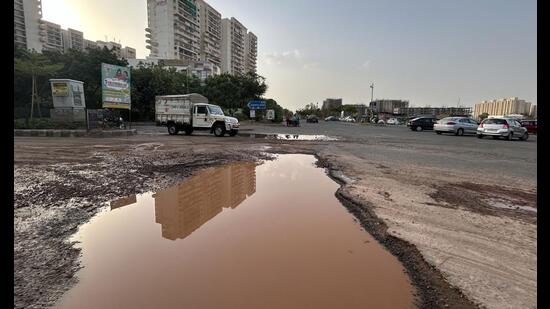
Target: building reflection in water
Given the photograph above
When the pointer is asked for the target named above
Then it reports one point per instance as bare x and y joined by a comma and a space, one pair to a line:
184, 208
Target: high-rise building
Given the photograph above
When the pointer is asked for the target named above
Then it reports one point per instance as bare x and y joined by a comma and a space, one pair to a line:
51, 36
128, 53
173, 30
210, 34
330, 103
26, 22
233, 50
502, 107
72, 39
533, 111
251, 52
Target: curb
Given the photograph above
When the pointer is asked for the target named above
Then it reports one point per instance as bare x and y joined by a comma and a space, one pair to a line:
73, 133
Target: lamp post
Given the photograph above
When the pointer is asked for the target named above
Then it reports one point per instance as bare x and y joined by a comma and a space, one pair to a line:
371, 91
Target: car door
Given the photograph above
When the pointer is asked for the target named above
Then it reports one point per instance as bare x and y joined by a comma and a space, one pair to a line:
518, 129
200, 116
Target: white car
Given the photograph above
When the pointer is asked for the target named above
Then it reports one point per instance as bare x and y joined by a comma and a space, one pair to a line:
348, 119
392, 121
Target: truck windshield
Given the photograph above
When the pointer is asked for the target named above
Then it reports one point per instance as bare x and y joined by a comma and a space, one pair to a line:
215, 110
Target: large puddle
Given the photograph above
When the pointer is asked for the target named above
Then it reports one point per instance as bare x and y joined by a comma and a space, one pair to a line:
238, 236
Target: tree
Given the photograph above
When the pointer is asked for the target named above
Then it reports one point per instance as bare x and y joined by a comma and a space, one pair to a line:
33, 65
483, 116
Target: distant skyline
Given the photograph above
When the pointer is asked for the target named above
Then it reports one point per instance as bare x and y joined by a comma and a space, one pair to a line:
429, 52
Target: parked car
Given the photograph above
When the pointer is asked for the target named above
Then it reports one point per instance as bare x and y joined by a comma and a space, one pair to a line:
393, 121
348, 119
502, 127
421, 123
312, 119
456, 125
381, 121
530, 125
332, 118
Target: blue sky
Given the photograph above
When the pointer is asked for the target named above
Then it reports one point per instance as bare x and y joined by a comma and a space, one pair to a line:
427, 52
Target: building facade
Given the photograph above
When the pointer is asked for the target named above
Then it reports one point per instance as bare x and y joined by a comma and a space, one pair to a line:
128, 53
438, 112
210, 34
388, 106
330, 103
533, 111
502, 107
72, 39
114, 46
51, 36
90, 44
233, 41
173, 30
26, 24
251, 52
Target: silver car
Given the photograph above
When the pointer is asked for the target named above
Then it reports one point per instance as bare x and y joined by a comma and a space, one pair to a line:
456, 125
502, 127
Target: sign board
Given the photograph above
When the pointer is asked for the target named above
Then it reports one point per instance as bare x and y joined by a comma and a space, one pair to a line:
115, 86
60, 89
270, 115
252, 113
256, 105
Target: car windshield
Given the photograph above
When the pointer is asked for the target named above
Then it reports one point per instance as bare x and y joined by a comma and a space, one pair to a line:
215, 110
494, 121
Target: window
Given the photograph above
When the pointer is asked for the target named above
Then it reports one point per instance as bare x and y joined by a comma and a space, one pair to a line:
201, 109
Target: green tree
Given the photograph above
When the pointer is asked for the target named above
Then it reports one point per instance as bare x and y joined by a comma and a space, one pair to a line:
483, 116
33, 65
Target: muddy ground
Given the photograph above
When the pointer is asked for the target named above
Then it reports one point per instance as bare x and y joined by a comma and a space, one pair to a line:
460, 251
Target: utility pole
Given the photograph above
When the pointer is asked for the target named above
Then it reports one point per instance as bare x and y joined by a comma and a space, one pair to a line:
187, 78
371, 91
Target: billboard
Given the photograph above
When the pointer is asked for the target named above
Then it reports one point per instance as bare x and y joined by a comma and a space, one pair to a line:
270, 114
115, 86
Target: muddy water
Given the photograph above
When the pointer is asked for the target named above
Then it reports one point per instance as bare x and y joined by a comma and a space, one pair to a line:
239, 236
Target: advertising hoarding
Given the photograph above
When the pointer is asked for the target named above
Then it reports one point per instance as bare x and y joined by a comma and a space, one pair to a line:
115, 86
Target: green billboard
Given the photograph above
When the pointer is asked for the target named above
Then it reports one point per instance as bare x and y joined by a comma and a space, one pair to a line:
115, 86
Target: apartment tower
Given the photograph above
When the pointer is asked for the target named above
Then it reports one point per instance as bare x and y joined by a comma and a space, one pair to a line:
26, 22
251, 52
502, 107
173, 30
210, 34
233, 46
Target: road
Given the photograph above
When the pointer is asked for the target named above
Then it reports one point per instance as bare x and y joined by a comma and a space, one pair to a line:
459, 212
398, 143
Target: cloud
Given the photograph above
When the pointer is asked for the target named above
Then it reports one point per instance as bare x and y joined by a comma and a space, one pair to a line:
365, 65
310, 65
285, 57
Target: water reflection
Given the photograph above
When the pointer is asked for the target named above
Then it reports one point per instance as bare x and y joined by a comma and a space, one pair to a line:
183, 208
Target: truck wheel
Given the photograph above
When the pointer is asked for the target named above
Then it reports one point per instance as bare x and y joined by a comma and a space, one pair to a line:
188, 131
219, 130
233, 132
172, 129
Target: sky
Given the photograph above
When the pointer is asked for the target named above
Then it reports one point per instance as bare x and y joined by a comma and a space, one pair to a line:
429, 52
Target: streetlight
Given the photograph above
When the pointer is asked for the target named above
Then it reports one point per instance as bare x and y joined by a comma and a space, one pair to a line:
371, 91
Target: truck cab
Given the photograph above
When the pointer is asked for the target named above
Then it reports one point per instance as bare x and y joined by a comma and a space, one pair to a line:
211, 117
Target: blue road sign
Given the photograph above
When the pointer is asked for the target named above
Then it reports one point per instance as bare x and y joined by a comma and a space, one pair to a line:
257, 105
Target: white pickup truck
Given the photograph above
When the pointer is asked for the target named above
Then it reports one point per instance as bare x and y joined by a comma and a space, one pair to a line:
189, 112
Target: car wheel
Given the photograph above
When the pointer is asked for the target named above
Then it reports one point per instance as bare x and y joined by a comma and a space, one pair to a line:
460, 132
419, 129
524, 137
438, 133
510, 136
219, 130
480, 136
172, 129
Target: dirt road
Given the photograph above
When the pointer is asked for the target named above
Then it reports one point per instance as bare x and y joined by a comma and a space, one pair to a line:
462, 244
